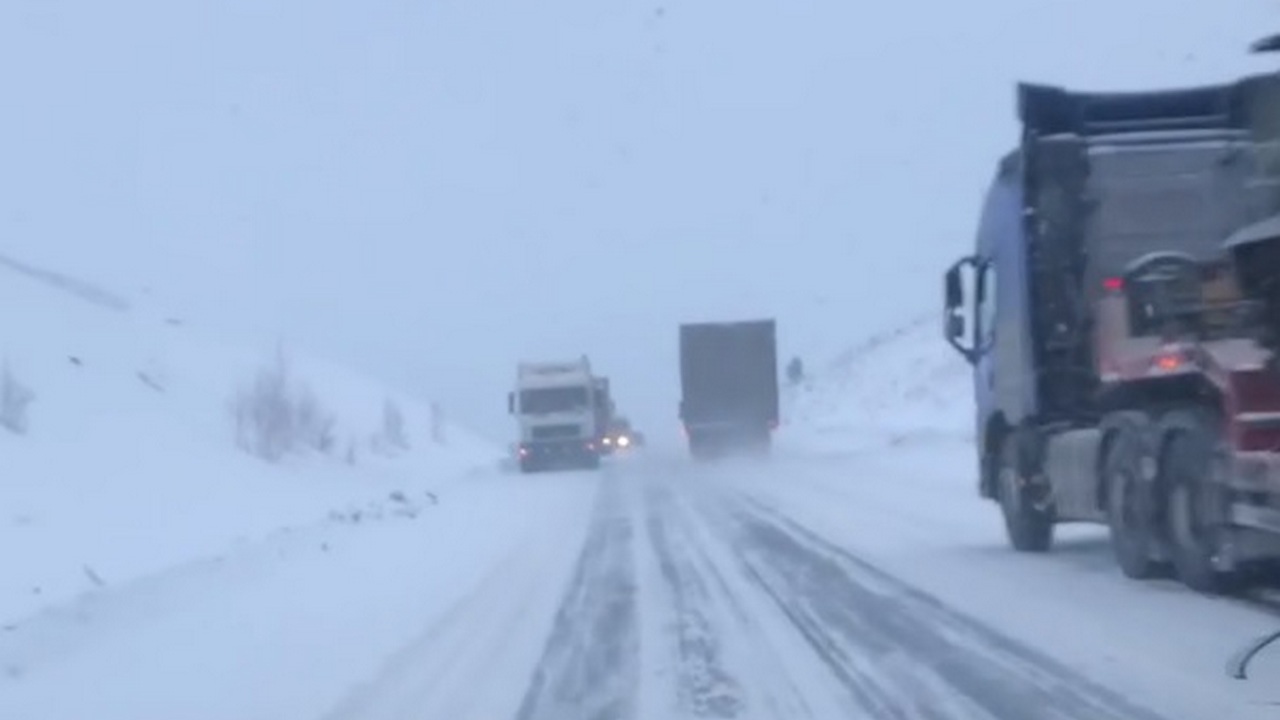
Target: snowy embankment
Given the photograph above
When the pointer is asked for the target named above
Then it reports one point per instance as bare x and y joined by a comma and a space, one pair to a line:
132, 444
898, 385
894, 481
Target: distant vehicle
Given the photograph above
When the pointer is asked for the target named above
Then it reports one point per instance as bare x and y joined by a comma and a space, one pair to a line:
1122, 316
729, 386
621, 436
555, 406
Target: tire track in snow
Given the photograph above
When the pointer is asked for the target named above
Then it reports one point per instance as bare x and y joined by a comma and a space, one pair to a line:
590, 666
705, 688
717, 627
485, 634
420, 676
898, 651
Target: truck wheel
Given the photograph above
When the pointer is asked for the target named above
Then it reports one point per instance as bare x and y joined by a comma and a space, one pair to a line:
1132, 514
1194, 535
1030, 528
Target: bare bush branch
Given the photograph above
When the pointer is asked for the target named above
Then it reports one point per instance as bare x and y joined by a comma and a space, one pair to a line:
275, 415
393, 425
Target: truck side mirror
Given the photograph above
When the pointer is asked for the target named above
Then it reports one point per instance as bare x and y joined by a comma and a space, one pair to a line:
511, 403
956, 304
954, 289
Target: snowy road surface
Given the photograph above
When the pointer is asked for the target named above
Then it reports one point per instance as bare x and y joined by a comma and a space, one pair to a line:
809, 587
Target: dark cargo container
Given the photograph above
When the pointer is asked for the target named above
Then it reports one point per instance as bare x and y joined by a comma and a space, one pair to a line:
729, 385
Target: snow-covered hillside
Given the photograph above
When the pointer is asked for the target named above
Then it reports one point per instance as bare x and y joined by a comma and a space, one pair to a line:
122, 455
895, 386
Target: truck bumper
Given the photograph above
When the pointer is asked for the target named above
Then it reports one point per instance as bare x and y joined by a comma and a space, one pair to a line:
558, 453
728, 437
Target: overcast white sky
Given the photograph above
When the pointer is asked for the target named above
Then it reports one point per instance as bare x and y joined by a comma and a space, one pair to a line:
432, 190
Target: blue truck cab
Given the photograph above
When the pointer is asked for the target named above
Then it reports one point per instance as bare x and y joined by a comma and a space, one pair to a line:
994, 334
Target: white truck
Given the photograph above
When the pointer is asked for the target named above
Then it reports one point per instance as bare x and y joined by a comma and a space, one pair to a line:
555, 406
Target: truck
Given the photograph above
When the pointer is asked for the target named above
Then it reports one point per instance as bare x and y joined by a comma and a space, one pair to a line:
621, 435
729, 386
1120, 314
555, 405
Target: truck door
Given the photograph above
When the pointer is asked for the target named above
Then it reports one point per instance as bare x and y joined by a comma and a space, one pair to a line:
985, 335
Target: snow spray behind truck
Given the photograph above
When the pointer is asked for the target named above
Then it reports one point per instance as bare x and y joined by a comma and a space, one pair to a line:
729, 385
1121, 318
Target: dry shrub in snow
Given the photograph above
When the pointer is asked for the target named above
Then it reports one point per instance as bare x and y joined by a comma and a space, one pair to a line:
313, 423
393, 425
276, 415
390, 439
14, 399
437, 424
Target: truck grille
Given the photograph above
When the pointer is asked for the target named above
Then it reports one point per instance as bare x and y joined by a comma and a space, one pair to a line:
554, 432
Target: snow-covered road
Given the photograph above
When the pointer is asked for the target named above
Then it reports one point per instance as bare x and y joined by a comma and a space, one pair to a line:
848, 586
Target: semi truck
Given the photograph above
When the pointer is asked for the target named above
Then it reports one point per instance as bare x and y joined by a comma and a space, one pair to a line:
1120, 313
729, 385
556, 407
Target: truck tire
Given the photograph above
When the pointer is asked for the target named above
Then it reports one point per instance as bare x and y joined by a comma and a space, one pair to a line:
1194, 538
1133, 514
1030, 528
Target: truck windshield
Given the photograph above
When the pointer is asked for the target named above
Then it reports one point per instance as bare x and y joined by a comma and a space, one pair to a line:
553, 399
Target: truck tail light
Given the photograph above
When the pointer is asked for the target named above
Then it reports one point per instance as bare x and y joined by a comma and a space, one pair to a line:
1169, 359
